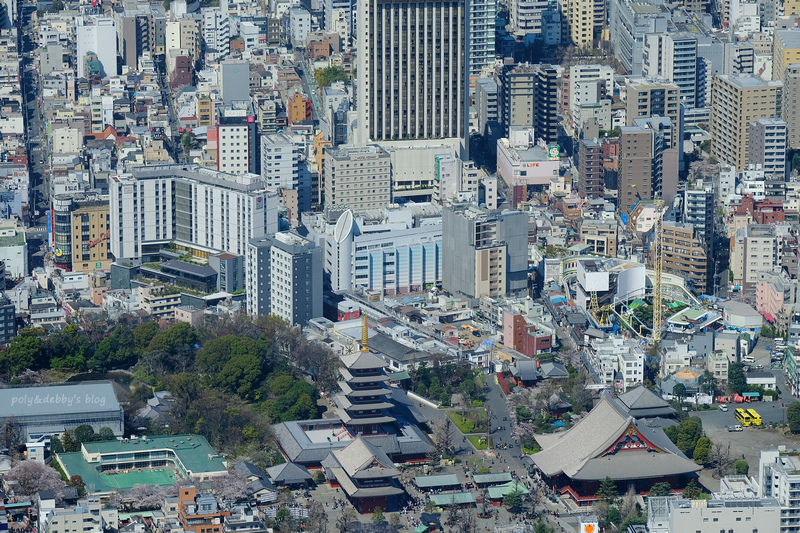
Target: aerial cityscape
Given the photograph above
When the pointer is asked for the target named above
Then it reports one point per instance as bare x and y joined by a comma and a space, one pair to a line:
350, 266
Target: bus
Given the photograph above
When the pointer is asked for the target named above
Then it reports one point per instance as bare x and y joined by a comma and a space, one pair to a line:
755, 418
743, 418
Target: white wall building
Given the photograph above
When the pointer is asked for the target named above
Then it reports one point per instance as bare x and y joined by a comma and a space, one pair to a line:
280, 158
204, 210
299, 25
618, 363
97, 35
394, 254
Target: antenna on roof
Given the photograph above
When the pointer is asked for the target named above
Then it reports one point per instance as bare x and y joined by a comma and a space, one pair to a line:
364, 336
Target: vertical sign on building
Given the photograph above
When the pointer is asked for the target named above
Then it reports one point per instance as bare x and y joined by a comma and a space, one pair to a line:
50, 236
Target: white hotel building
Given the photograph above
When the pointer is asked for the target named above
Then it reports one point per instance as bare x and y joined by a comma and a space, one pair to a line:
202, 211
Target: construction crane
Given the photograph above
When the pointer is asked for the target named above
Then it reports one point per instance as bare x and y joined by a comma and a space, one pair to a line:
658, 205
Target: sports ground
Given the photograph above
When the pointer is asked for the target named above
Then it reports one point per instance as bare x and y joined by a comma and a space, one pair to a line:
162, 476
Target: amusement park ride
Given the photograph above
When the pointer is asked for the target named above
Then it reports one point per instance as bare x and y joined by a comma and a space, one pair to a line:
603, 314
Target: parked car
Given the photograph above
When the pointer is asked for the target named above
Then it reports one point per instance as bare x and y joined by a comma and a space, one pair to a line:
723, 408
737, 427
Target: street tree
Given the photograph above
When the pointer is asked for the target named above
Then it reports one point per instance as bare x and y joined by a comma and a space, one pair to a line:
347, 517
793, 416
737, 381
317, 521
679, 391
740, 467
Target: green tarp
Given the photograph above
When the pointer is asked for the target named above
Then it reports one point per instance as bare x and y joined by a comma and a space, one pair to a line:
432, 482
456, 498
498, 492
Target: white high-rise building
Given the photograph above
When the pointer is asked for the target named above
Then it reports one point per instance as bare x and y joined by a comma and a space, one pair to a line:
216, 33
412, 70
201, 210
482, 16
96, 35
280, 160
526, 15
299, 25
673, 56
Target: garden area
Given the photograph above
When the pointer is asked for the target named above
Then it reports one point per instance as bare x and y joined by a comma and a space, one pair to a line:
473, 421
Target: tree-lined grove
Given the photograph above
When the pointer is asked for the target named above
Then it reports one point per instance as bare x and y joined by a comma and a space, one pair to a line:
229, 381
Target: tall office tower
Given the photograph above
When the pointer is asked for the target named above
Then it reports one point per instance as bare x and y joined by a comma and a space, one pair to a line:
641, 152
590, 168
136, 30
790, 110
96, 35
412, 70
216, 34
649, 99
698, 211
280, 159
8, 14
484, 252
673, 56
234, 80
785, 51
579, 20
736, 101
236, 138
482, 14
202, 211
284, 278
766, 146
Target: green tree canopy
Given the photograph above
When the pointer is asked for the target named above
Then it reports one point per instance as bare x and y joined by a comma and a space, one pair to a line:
659, 489
709, 384
737, 381
740, 467
608, 490
692, 491
793, 416
702, 451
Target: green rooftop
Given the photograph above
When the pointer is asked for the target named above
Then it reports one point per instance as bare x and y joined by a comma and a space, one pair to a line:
17, 239
121, 464
455, 498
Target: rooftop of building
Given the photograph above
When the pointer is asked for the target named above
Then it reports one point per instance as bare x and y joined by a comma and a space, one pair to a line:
240, 182
58, 400
745, 81
789, 38
364, 152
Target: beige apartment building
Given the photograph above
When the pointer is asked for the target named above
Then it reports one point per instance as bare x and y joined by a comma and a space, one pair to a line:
683, 254
785, 50
635, 167
601, 235
736, 101
643, 100
579, 17
357, 178
790, 110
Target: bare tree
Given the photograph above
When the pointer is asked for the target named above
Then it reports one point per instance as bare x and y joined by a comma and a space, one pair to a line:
11, 436
721, 459
34, 476
317, 521
628, 504
347, 517
443, 435
465, 521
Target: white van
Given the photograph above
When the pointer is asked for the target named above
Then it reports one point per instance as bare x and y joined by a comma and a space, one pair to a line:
749, 359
